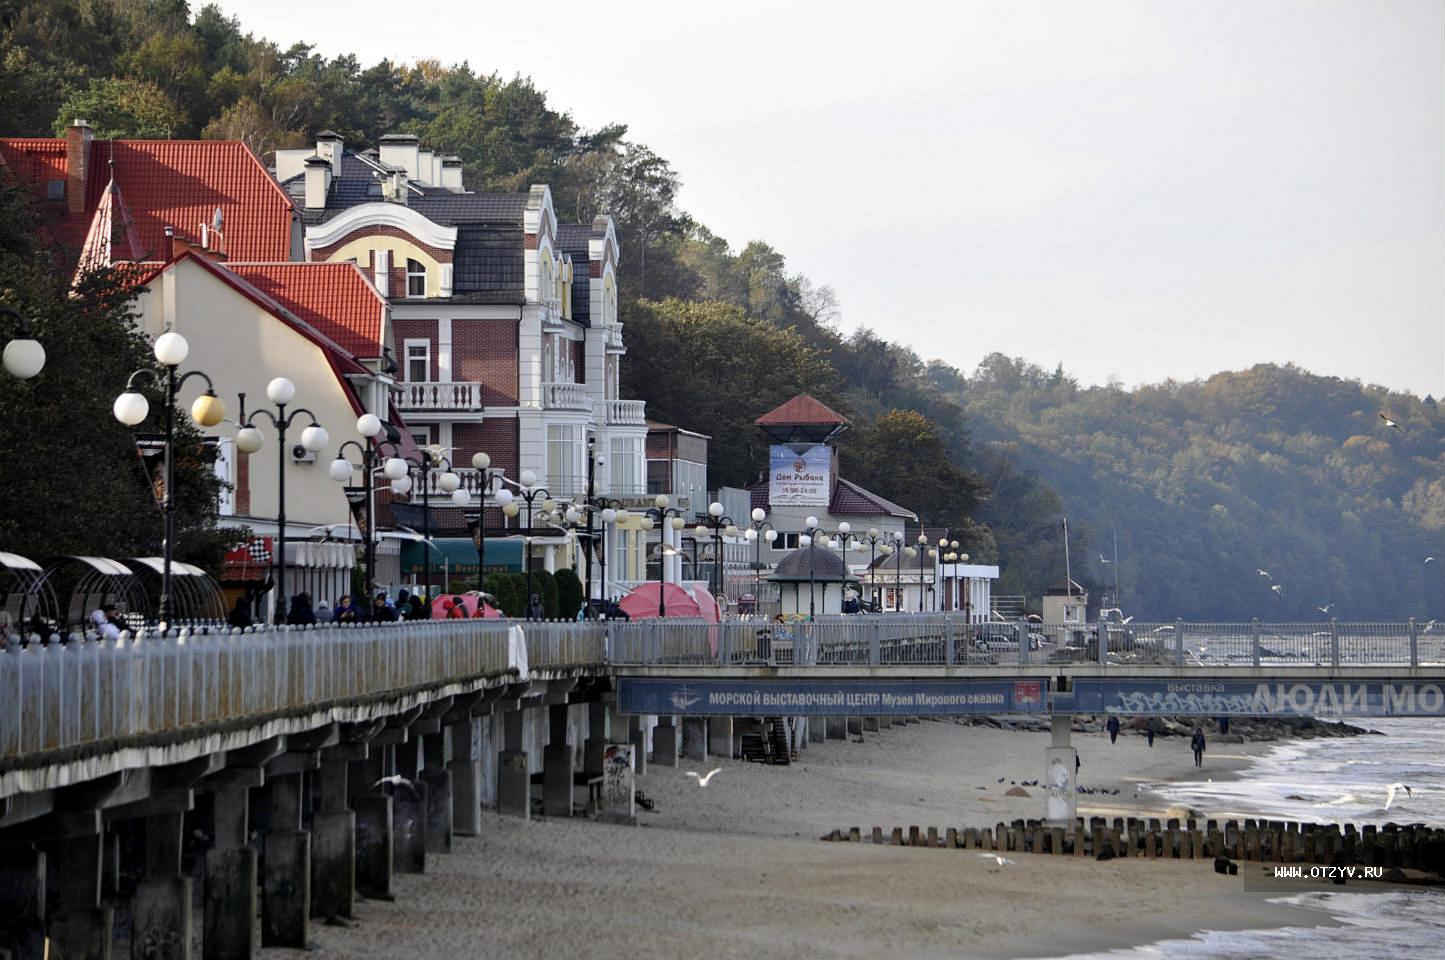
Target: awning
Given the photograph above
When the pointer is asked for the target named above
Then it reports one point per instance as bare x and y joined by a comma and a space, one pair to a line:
459, 555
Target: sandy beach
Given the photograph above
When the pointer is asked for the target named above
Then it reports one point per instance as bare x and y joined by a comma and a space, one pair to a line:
737, 870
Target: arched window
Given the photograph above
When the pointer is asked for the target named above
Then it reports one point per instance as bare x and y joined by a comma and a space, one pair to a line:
415, 278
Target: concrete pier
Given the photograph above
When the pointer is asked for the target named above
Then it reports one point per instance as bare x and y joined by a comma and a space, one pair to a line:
720, 737
514, 779
664, 743
836, 728
437, 778
286, 856
694, 738
466, 773
855, 726
408, 807
599, 728
557, 764
22, 901
637, 736
870, 725
333, 837
161, 906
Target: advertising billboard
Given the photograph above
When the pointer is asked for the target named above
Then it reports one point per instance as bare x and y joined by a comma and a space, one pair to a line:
799, 479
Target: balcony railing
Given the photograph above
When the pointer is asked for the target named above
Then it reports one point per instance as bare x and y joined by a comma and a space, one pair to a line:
627, 413
439, 395
565, 396
613, 341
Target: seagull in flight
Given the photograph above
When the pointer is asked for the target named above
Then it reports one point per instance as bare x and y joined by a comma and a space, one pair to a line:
1104, 559
1326, 608
1388, 422
1390, 793
1001, 861
701, 780
1430, 626
1278, 589
395, 780
1429, 559
1264, 573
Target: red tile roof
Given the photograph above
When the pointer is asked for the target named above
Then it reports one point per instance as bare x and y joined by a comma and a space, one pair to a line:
335, 298
170, 183
802, 409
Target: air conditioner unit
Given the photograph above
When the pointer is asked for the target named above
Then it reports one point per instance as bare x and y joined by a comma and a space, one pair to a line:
301, 455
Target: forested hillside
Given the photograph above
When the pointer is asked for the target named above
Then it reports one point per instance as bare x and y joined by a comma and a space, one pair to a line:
1204, 482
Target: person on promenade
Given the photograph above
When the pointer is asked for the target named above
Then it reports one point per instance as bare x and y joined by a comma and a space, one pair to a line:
105, 622
301, 614
457, 610
346, 611
323, 613
1197, 743
240, 615
7, 632
535, 610
1149, 731
382, 611
1113, 727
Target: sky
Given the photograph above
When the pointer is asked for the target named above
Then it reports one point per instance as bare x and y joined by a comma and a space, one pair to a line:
1137, 190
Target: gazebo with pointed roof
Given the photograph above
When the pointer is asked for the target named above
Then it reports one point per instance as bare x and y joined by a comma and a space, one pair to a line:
802, 420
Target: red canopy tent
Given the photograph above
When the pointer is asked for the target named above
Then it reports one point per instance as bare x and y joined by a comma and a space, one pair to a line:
641, 603
443, 604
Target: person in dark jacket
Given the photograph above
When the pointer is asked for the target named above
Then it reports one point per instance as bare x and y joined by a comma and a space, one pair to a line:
1149, 731
381, 611
1197, 744
1113, 727
240, 615
301, 614
457, 610
535, 610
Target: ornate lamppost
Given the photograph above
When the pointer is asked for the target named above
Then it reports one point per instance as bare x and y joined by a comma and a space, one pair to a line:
925, 552
131, 408
810, 533
249, 439
530, 493
393, 467
488, 475
662, 516
873, 539
719, 525
759, 530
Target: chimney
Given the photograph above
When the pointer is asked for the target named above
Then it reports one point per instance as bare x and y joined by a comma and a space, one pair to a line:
318, 182
397, 187
402, 150
330, 147
452, 174
77, 162
424, 169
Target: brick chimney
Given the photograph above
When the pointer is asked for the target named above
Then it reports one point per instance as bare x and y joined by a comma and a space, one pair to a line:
318, 182
402, 150
77, 164
451, 174
330, 147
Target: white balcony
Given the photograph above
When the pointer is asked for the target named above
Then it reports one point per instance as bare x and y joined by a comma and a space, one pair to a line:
566, 396
439, 395
551, 315
626, 413
613, 338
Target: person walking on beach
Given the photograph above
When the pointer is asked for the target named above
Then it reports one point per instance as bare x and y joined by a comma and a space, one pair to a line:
1149, 731
1197, 744
1113, 727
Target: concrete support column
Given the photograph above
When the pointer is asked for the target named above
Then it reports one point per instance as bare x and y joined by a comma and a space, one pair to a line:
79, 928
557, 764
870, 725
333, 837
720, 736
408, 807
286, 871
694, 738
436, 751
664, 743
22, 902
229, 913
637, 736
817, 729
837, 728
597, 738
161, 907
854, 726
466, 778
373, 809
1061, 799
514, 779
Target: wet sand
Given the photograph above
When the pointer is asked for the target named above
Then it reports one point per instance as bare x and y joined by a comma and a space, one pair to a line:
736, 869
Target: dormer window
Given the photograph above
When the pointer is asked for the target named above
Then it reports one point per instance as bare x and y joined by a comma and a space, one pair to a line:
415, 278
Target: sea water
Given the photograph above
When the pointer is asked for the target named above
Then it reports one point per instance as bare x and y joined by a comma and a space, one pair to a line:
1340, 780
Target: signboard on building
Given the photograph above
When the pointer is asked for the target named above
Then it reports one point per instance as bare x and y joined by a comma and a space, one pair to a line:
799, 479
829, 698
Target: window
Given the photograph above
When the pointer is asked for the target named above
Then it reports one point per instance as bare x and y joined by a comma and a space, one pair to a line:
415, 278
422, 436
786, 541
55, 189
564, 455
626, 466
418, 361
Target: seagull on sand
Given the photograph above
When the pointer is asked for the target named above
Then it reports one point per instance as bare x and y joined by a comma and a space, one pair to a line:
1278, 589
1263, 573
1388, 422
1390, 793
1001, 861
701, 780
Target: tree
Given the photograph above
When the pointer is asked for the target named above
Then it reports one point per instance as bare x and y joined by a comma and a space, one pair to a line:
569, 592
901, 456
75, 484
120, 108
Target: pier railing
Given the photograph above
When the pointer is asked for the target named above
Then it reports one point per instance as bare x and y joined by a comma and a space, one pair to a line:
89, 691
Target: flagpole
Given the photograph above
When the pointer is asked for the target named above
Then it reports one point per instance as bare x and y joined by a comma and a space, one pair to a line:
1068, 576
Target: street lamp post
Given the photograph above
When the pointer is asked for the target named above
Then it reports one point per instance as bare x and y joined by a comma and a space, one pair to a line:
718, 524
370, 427
925, 552
24, 357
662, 516
759, 529
810, 533
530, 493
483, 463
873, 538
902, 551
448, 483
249, 439
131, 408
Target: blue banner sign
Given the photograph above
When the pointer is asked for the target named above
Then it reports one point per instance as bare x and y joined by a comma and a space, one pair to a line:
859, 697
1244, 698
